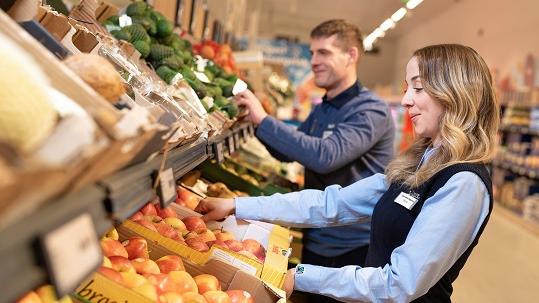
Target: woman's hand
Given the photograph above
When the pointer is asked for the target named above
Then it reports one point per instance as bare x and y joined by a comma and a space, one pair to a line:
215, 209
289, 281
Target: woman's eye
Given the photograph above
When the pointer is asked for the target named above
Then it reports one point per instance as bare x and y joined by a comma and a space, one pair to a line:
418, 89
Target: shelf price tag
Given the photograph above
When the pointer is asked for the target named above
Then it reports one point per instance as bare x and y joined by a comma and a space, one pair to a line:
231, 145
166, 188
237, 140
71, 253
218, 152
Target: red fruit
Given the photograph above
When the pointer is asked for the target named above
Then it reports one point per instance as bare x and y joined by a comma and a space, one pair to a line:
166, 230
197, 244
166, 212
137, 216
217, 296
206, 282
170, 263
121, 264
112, 247
145, 266
137, 247
149, 210
234, 245
162, 282
207, 52
147, 224
195, 224
111, 274
253, 246
240, 296
187, 198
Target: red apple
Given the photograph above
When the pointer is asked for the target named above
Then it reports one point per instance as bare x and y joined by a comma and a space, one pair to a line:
170, 263
240, 296
234, 245
162, 282
184, 281
111, 274
153, 219
145, 266
193, 297
207, 236
106, 262
121, 264
113, 234
177, 224
166, 230
171, 297
137, 247
148, 290
223, 235
137, 216
197, 244
149, 210
30, 297
132, 279
147, 224
217, 296
187, 198
166, 212
207, 282
112, 247
255, 247
195, 223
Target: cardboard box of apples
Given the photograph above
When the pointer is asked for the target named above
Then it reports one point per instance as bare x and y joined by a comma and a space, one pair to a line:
137, 270
258, 248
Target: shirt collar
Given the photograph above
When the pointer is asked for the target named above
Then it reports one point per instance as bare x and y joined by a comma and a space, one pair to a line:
341, 99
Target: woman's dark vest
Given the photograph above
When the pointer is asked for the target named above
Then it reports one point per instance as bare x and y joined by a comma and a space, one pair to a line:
391, 223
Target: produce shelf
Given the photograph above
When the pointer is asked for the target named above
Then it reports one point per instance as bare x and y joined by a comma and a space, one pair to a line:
25, 257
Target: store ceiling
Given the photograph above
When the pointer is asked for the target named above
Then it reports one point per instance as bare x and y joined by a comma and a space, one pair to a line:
296, 18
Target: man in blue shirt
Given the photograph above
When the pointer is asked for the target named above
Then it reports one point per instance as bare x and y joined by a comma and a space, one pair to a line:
348, 137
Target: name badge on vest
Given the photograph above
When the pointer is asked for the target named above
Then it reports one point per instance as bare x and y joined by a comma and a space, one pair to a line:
408, 200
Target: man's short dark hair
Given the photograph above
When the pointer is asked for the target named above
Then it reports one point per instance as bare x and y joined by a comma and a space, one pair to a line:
348, 34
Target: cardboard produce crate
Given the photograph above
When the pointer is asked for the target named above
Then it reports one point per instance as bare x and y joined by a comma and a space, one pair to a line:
99, 289
275, 240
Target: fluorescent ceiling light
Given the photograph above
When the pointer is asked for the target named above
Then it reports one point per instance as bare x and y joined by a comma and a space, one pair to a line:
387, 24
399, 14
413, 3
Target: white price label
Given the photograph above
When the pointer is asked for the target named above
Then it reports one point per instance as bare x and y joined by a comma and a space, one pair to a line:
125, 20
225, 257
231, 146
237, 140
219, 152
167, 187
72, 252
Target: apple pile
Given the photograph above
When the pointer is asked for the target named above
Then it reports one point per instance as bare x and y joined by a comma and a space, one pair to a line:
187, 198
193, 232
164, 280
220, 54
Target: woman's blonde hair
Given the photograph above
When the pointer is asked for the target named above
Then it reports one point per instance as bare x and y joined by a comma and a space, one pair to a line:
459, 79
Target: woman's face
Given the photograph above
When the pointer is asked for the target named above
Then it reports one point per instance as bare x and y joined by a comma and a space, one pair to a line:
424, 110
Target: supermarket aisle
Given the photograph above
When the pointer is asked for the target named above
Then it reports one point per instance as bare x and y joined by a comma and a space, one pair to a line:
504, 267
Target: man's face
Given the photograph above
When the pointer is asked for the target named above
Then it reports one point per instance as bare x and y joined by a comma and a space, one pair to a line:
329, 62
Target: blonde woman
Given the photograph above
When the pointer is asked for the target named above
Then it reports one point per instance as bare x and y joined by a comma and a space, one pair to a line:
429, 210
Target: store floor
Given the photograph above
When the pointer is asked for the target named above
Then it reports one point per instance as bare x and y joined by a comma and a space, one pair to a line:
503, 268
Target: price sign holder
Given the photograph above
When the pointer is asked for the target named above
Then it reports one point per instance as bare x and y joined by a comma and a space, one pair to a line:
231, 145
218, 152
237, 140
71, 252
166, 187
